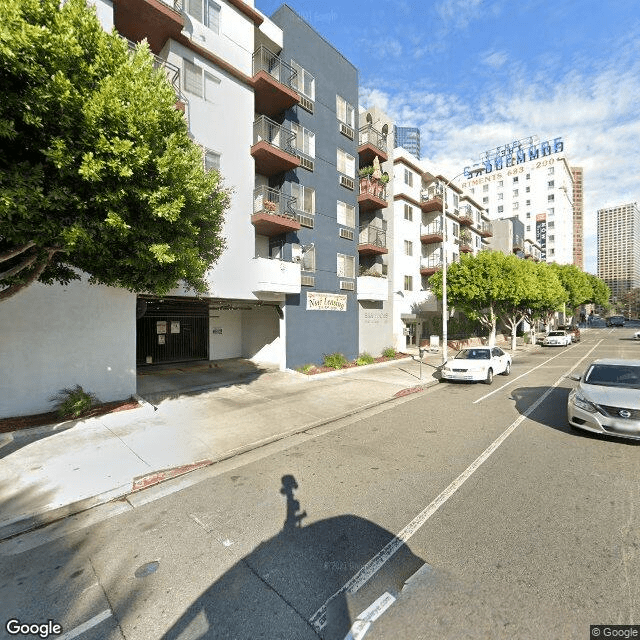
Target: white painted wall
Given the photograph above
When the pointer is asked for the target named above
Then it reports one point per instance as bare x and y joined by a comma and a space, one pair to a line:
59, 336
227, 344
261, 340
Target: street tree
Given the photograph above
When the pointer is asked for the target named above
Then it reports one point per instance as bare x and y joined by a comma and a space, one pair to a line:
576, 283
476, 285
600, 292
550, 295
97, 170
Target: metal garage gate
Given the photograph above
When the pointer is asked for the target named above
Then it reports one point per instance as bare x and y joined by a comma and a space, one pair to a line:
172, 331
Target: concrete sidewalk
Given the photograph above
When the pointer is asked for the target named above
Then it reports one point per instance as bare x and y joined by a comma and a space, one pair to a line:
50, 472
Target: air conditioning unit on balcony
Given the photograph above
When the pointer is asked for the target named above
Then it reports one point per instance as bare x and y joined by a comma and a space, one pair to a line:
347, 285
347, 234
346, 130
347, 182
305, 221
305, 163
308, 281
306, 104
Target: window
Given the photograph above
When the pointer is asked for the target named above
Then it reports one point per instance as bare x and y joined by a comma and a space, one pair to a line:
515, 193
304, 82
199, 82
500, 209
551, 238
205, 11
408, 283
305, 198
516, 205
551, 211
408, 177
485, 200
305, 140
515, 179
346, 163
346, 267
528, 176
211, 160
456, 229
501, 183
550, 198
344, 111
528, 227
528, 214
551, 171
550, 184
550, 225
527, 189
528, 203
408, 248
408, 212
308, 259
346, 214
485, 188
500, 196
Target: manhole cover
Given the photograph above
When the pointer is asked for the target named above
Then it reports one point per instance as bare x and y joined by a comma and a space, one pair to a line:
147, 569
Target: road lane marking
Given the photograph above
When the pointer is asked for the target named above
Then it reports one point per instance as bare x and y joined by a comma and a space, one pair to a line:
362, 623
526, 373
85, 626
319, 618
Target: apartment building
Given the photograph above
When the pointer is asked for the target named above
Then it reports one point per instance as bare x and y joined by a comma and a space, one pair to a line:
619, 248
578, 216
532, 181
432, 219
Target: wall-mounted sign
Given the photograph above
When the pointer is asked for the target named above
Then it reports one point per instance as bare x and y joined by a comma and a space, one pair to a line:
317, 301
161, 338
217, 331
175, 326
541, 234
161, 326
512, 154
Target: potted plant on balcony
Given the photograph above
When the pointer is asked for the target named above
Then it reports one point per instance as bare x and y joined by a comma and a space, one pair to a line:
365, 175
382, 185
269, 205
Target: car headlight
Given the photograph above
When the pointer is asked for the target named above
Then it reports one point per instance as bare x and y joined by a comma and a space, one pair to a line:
584, 404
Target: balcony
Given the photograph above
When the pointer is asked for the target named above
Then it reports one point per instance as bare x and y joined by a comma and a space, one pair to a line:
276, 276
465, 246
272, 82
518, 243
372, 288
372, 194
155, 20
372, 240
431, 200
486, 229
429, 265
431, 233
273, 212
466, 215
272, 147
371, 143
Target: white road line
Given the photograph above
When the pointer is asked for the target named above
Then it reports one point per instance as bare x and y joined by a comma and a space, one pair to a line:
526, 373
85, 626
362, 623
318, 620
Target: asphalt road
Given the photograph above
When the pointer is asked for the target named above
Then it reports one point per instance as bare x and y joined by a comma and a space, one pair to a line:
465, 511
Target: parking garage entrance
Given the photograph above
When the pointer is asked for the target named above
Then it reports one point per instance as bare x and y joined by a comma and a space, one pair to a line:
171, 331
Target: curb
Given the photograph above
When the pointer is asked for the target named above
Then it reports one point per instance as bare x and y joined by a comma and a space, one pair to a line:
31, 522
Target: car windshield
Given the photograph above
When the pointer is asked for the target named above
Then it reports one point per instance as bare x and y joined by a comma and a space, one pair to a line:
614, 375
556, 333
473, 354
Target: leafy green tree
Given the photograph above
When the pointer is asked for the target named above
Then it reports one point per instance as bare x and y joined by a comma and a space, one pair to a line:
576, 283
476, 285
600, 292
549, 295
97, 170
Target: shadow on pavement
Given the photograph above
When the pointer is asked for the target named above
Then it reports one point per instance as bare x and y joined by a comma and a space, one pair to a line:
278, 590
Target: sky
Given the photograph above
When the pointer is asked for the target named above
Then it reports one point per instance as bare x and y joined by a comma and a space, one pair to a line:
476, 74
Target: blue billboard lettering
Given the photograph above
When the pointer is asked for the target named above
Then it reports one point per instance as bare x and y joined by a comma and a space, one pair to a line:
487, 167
545, 148
558, 145
533, 153
520, 157
498, 162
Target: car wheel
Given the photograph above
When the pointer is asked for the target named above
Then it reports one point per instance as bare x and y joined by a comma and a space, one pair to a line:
489, 378
507, 369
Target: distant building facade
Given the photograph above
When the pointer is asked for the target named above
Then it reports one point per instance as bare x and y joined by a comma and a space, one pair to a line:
408, 138
578, 216
619, 248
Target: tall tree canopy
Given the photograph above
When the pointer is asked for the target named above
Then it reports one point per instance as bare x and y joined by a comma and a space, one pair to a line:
97, 170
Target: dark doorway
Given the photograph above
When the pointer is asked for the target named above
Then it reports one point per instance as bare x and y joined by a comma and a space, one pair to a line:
172, 331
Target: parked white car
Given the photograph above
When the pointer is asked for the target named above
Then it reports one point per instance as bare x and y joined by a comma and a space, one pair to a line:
477, 363
607, 399
636, 335
557, 339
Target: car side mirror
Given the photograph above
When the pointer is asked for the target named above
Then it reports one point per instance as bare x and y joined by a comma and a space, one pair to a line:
574, 376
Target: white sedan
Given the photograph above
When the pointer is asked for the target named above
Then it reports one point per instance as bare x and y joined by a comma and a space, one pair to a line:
557, 339
477, 363
636, 335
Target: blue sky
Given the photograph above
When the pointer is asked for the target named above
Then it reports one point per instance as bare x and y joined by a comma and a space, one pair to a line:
476, 74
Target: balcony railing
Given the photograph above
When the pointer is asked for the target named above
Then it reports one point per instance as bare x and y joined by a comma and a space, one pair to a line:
176, 5
272, 201
265, 60
433, 228
369, 135
372, 235
430, 263
466, 214
486, 228
518, 243
265, 129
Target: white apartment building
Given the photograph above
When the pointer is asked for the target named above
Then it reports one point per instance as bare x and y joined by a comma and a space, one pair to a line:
422, 236
619, 248
532, 181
